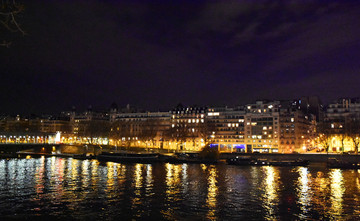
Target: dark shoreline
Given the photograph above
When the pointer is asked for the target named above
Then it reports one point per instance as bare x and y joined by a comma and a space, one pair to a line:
11, 151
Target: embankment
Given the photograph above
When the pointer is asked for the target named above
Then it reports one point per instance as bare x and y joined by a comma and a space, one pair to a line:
311, 157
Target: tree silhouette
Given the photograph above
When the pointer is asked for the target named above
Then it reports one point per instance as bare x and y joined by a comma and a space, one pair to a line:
9, 12
354, 133
324, 134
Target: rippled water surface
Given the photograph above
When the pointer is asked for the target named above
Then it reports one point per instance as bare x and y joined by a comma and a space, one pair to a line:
86, 189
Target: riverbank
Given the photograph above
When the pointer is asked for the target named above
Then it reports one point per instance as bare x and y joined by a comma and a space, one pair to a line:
313, 158
11, 150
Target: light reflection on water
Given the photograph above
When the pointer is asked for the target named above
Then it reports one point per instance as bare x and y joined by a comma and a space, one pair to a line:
304, 192
271, 194
212, 192
82, 189
337, 191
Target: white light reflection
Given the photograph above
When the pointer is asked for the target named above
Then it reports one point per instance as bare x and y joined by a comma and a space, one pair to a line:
184, 181
110, 176
304, 193
271, 194
94, 172
149, 180
39, 177
172, 182
337, 192
85, 173
138, 179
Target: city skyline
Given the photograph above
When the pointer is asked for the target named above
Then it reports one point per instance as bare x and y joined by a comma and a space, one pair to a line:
179, 110
156, 55
129, 108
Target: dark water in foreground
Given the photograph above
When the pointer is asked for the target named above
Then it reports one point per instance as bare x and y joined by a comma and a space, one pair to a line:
85, 189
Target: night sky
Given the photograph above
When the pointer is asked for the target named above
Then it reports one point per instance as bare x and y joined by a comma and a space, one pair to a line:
154, 55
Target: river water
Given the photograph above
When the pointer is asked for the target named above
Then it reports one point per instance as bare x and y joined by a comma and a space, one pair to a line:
65, 188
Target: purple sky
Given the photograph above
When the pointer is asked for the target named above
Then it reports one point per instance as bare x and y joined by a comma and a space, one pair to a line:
155, 55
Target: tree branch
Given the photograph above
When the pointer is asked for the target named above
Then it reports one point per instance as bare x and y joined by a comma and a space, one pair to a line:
9, 11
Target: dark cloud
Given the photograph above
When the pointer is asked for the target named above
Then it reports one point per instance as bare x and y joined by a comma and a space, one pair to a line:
156, 54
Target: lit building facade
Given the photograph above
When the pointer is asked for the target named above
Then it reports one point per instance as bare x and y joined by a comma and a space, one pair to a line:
296, 130
341, 115
187, 128
229, 129
262, 126
146, 129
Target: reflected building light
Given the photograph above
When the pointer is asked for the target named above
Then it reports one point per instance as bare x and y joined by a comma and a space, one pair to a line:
59, 178
149, 178
53, 166
85, 173
184, 177
358, 180
74, 171
211, 200
203, 167
304, 193
172, 181
321, 181
138, 177
39, 177
94, 172
138, 185
184, 168
110, 175
271, 195
337, 192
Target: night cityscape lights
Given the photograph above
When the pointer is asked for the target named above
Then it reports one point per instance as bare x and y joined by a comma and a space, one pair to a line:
265, 126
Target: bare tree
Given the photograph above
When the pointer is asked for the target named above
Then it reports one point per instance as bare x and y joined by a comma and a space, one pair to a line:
342, 132
9, 12
121, 130
94, 128
206, 131
324, 134
178, 132
149, 130
354, 133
